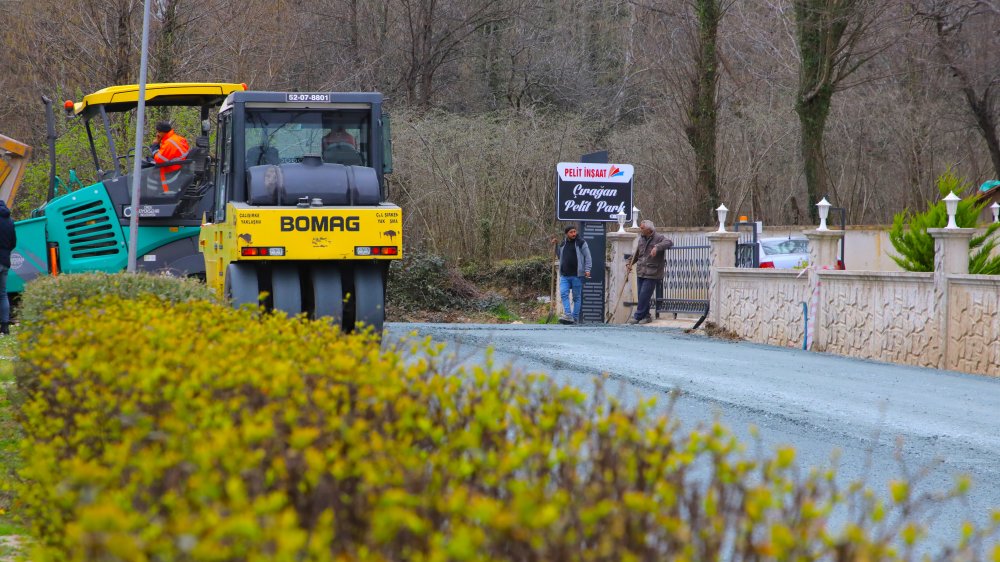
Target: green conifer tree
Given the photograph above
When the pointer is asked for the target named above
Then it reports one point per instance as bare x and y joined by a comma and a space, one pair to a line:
916, 247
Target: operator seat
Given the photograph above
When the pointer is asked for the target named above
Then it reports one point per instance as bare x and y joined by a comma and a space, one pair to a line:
176, 181
199, 155
191, 194
179, 180
260, 155
342, 153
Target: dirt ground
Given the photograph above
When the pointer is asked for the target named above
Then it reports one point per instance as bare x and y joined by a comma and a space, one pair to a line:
524, 311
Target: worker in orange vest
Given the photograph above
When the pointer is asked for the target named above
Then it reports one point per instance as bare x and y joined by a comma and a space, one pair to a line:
169, 147
339, 135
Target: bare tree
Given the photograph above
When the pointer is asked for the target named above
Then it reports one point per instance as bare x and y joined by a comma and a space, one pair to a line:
834, 38
184, 39
96, 40
703, 110
435, 31
966, 44
701, 20
698, 94
349, 45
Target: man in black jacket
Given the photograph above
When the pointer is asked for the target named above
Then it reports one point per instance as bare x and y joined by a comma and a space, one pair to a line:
649, 259
8, 239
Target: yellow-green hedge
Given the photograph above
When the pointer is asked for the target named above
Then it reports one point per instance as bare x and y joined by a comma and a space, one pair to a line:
47, 295
190, 431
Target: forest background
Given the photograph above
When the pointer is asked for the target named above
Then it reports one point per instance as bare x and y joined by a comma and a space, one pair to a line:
763, 105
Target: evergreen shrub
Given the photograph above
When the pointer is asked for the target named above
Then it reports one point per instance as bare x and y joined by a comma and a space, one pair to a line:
533, 273
191, 431
424, 281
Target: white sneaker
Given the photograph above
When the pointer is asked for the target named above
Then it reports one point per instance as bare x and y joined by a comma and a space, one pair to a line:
645, 320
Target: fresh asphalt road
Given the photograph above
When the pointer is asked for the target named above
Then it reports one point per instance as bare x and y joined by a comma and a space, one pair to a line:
881, 419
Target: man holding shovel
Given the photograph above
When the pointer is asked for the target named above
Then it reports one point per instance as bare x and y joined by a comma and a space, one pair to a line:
649, 261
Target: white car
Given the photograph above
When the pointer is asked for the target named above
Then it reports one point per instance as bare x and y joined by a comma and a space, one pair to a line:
783, 253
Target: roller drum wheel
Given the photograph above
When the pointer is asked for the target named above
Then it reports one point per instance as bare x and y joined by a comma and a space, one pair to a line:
328, 293
241, 285
369, 297
286, 289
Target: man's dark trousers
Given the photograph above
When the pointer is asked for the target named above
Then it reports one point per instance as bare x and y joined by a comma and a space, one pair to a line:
646, 288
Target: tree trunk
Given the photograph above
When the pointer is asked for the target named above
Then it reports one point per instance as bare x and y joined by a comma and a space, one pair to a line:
355, 35
493, 64
123, 46
420, 76
165, 55
703, 116
813, 113
821, 27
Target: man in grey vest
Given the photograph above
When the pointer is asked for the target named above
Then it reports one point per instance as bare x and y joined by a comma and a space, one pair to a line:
574, 265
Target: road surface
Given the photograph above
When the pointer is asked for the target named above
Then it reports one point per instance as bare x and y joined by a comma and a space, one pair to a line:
944, 421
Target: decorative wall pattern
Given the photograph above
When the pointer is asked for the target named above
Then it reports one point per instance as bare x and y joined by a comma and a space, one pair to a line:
882, 316
974, 324
764, 306
946, 319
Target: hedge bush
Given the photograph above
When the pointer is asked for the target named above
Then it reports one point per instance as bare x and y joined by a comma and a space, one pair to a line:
191, 431
51, 293
46, 295
528, 274
424, 281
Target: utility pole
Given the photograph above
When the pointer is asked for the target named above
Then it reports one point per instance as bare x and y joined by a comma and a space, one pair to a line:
140, 123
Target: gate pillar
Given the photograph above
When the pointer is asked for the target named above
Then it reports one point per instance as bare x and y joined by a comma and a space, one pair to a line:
951, 257
621, 244
721, 254
823, 248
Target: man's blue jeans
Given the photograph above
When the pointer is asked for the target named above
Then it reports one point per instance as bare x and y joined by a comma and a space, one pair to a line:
575, 284
646, 288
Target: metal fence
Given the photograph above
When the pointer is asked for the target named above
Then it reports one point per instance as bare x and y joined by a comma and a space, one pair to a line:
685, 285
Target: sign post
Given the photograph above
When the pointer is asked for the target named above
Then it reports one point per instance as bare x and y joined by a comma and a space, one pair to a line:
592, 299
592, 192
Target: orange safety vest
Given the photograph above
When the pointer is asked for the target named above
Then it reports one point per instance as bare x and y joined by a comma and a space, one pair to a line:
172, 147
338, 136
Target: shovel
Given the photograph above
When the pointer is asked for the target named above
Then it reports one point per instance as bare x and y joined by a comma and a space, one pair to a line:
628, 271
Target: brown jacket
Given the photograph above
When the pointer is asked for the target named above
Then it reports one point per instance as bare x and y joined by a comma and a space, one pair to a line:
646, 266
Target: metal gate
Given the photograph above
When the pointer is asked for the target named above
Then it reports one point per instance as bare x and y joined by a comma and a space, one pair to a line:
685, 285
747, 248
